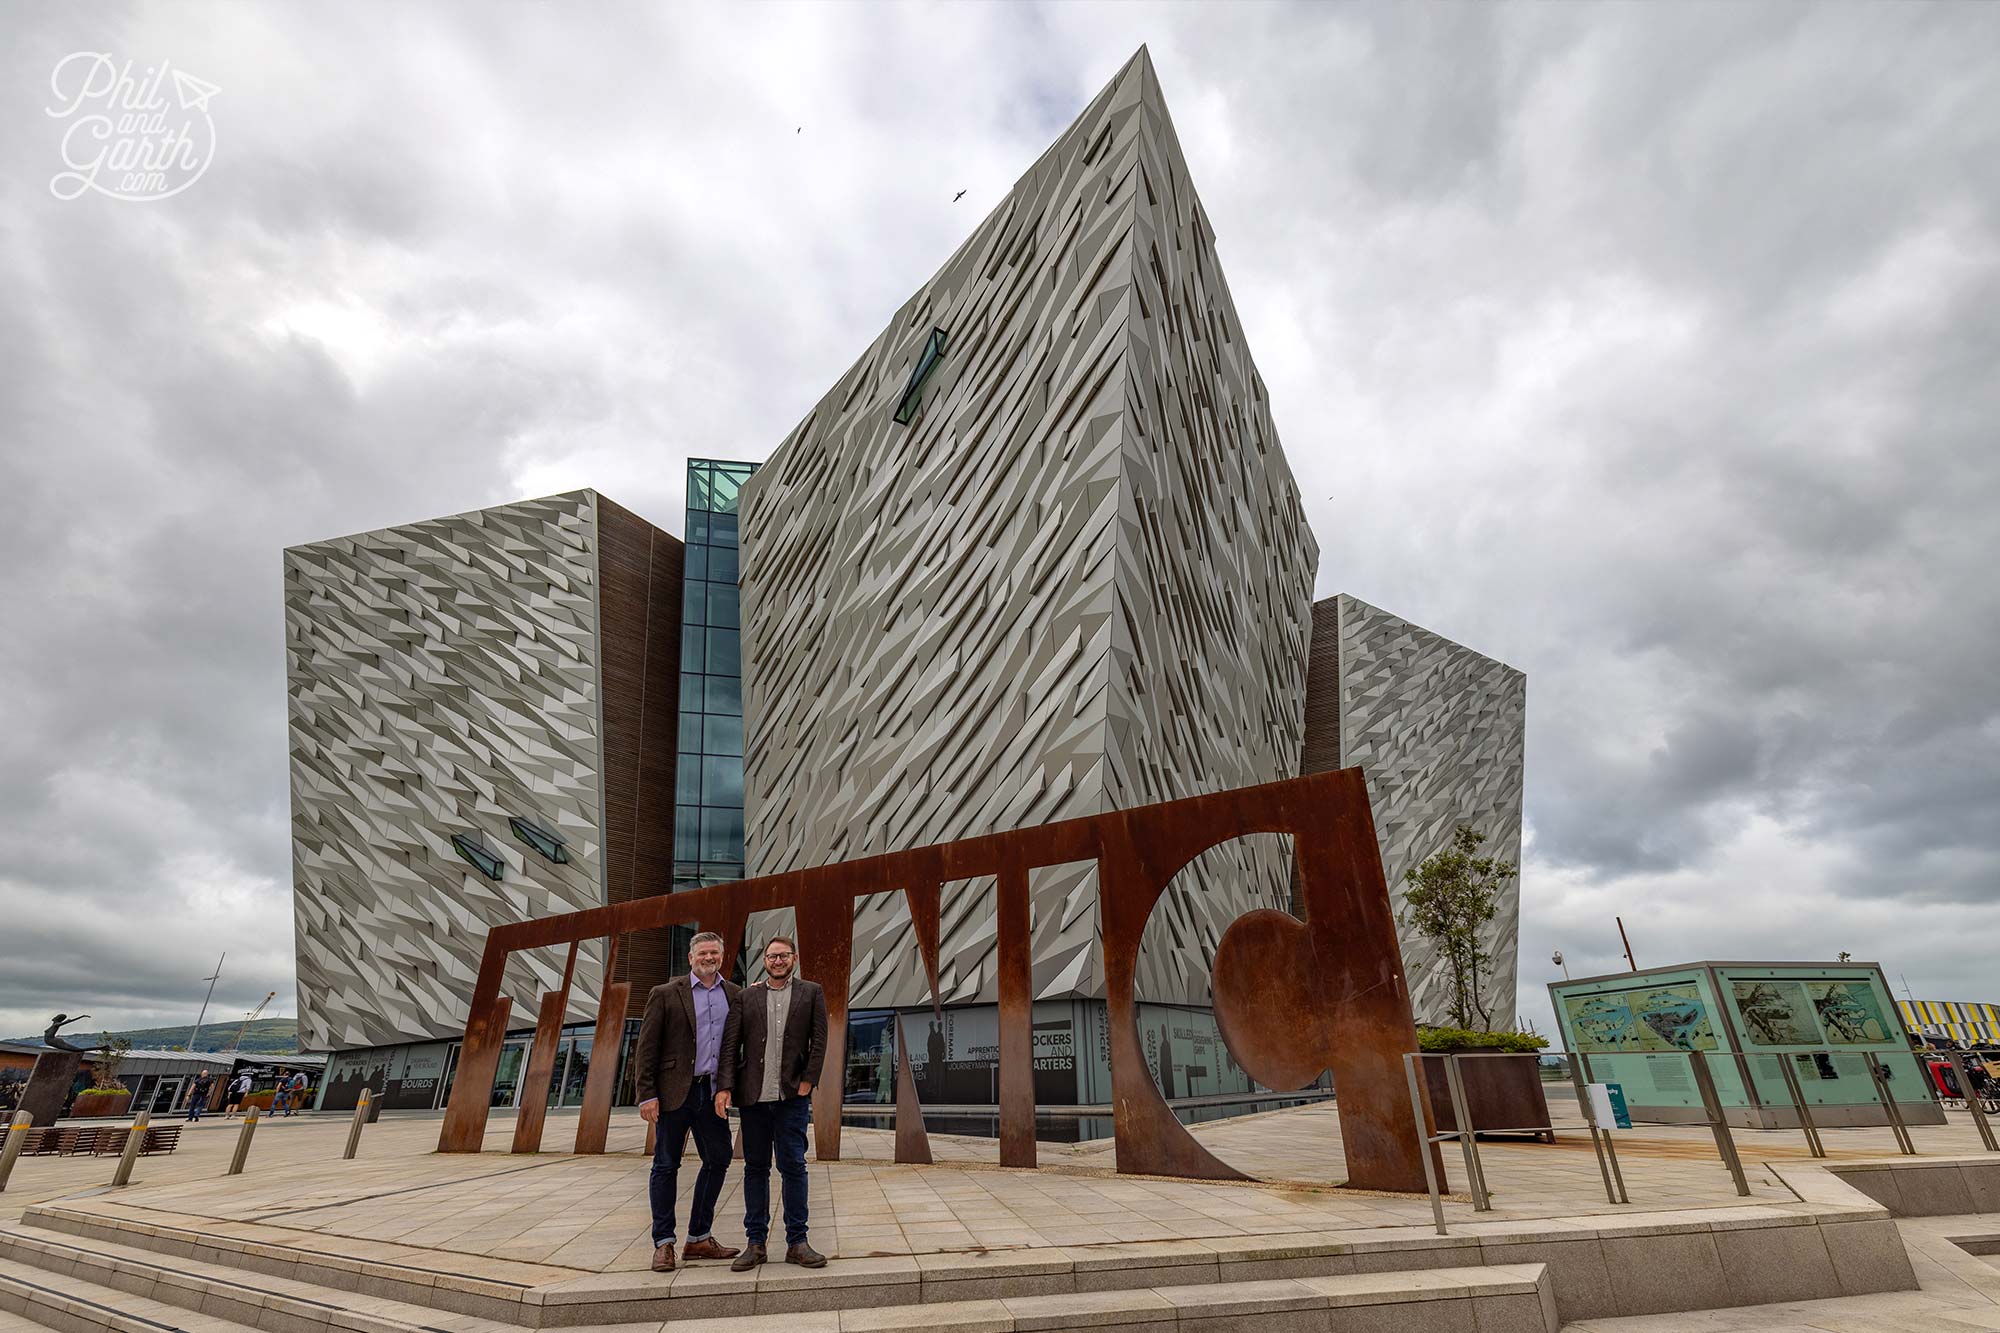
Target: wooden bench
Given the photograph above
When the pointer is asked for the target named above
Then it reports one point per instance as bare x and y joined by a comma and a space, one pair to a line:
160, 1138
93, 1140
49, 1141
111, 1139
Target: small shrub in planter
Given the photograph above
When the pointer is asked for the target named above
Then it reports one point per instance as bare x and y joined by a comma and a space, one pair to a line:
1499, 1094
1463, 1039
102, 1101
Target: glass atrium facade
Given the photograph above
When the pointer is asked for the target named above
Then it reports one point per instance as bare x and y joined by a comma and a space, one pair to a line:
708, 804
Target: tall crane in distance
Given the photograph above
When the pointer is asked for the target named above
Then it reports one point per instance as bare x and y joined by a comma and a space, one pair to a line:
236, 1042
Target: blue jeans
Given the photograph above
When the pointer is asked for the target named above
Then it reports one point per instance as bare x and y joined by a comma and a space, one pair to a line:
711, 1143
775, 1128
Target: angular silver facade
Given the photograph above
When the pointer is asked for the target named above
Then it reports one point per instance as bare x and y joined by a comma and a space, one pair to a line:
1440, 731
1079, 579
443, 677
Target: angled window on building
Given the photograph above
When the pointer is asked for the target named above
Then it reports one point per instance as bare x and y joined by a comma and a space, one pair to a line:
473, 849
913, 394
549, 844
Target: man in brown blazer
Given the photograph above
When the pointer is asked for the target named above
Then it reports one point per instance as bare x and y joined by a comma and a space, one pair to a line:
680, 1047
772, 1051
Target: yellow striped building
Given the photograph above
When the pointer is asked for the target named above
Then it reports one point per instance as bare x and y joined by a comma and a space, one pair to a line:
1976, 1024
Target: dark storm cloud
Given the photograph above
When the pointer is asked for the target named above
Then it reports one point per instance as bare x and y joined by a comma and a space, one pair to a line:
1650, 349
1647, 348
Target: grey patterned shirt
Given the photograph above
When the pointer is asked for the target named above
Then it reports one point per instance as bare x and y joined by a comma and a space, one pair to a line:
779, 1001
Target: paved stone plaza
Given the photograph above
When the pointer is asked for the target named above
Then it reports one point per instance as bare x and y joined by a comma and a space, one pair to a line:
590, 1213
947, 1241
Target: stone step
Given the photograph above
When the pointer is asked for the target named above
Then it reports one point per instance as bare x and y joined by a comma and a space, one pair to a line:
90, 1287
245, 1285
77, 1305
242, 1298
711, 1291
344, 1276
1436, 1300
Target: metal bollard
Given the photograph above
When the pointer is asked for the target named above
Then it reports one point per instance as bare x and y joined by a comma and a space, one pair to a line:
360, 1119
1957, 1064
1420, 1110
1600, 1135
1725, 1142
135, 1139
1880, 1073
17, 1138
1798, 1096
1475, 1173
243, 1142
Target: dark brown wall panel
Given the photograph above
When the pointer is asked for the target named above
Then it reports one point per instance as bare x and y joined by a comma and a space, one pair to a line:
639, 621
1321, 750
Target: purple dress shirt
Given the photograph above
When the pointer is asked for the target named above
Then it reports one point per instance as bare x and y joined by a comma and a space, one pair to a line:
711, 1009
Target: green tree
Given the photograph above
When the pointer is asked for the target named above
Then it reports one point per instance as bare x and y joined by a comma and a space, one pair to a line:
1448, 901
104, 1063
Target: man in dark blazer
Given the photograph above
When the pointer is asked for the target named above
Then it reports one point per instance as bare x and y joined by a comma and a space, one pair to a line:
772, 1051
680, 1047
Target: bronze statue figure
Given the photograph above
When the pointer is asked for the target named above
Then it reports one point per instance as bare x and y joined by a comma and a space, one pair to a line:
55, 1043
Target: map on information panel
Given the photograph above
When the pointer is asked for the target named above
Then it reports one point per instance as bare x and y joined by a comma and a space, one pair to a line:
1849, 1012
1775, 1013
1654, 1018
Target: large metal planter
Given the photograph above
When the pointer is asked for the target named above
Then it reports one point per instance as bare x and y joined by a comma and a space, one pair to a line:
91, 1104
1503, 1093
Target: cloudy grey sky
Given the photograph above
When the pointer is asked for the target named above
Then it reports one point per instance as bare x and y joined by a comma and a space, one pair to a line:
1650, 349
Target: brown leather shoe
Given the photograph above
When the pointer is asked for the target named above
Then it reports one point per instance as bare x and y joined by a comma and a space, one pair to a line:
805, 1256
710, 1248
752, 1255
663, 1258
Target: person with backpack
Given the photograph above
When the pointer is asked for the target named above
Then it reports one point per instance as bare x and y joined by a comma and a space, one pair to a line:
296, 1092
239, 1088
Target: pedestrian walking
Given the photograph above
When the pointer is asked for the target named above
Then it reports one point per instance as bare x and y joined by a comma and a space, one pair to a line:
295, 1093
198, 1095
239, 1088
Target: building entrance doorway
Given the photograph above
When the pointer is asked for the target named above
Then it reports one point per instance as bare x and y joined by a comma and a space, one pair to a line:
507, 1076
571, 1072
165, 1095
450, 1073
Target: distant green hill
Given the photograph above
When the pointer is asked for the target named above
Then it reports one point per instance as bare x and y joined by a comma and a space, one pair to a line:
266, 1036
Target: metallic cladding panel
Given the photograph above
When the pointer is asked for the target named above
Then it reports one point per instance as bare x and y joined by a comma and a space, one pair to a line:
1216, 563
441, 676
1078, 580
1440, 732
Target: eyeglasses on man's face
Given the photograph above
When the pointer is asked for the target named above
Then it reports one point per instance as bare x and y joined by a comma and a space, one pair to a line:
773, 956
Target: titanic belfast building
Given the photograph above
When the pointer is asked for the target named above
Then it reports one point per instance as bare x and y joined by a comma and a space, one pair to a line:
1037, 554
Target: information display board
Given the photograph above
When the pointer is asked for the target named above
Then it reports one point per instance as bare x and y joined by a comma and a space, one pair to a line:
1830, 1020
